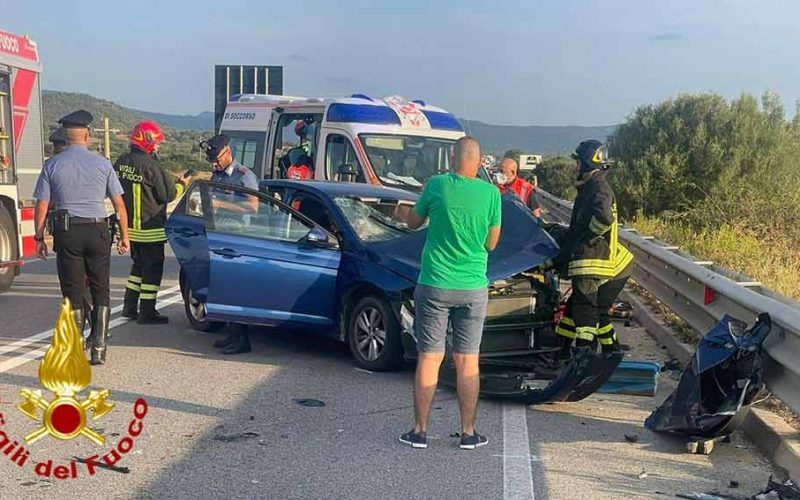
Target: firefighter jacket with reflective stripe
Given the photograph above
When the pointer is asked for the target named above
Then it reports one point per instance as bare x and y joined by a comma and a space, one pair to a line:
591, 245
148, 189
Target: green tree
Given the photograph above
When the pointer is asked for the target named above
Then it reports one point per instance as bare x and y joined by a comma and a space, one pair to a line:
710, 161
556, 175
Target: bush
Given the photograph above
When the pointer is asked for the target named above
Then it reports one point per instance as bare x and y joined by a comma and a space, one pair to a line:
707, 162
556, 175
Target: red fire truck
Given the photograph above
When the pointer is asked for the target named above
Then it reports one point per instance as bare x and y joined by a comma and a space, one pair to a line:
21, 150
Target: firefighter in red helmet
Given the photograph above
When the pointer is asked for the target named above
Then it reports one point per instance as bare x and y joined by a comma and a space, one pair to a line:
148, 189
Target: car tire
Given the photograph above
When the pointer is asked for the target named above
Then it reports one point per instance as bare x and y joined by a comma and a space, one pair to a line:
373, 334
8, 248
196, 311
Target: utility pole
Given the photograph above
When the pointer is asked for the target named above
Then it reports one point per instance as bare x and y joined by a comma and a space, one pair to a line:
107, 137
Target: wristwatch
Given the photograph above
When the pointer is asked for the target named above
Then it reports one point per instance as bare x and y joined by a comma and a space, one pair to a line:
38, 238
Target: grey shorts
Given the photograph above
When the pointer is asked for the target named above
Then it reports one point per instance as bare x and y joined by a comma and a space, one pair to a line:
464, 309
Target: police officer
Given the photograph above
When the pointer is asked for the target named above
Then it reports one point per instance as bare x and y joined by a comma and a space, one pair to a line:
591, 254
59, 140
148, 189
77, 182
229, 171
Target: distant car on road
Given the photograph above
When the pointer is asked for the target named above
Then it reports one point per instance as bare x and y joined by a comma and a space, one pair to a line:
338, 259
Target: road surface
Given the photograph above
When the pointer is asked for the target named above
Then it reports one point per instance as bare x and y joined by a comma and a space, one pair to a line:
227, 427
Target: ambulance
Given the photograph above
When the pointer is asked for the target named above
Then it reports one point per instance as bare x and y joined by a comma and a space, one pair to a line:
386, 142
21, 150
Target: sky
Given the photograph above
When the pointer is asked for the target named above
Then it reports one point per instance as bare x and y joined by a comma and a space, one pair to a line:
529, 62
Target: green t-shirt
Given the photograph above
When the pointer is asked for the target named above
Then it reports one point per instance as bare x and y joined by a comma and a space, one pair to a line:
460, 211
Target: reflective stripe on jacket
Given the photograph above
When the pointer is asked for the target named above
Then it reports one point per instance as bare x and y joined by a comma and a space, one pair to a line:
148, 189
592, 243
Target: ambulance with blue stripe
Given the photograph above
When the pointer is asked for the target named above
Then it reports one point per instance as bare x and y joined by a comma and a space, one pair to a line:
386, 142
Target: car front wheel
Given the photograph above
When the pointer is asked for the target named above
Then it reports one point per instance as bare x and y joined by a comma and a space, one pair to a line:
374, 335
196, 312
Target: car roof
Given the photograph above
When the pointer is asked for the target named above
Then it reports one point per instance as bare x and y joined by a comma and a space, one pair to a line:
332, 188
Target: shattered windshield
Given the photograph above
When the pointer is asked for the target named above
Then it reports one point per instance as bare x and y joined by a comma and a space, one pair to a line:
375, 220
407, 161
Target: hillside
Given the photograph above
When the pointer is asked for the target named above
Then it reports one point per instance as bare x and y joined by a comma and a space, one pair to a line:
546, 140
203, 121
180, 151
56, 104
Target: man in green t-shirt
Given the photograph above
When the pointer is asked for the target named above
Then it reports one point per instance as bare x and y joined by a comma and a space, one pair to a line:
463, 214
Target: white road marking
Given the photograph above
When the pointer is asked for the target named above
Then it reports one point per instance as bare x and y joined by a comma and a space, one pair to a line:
34, 295
13, 346
517, 475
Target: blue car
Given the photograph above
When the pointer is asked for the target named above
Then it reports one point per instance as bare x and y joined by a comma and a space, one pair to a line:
337, 258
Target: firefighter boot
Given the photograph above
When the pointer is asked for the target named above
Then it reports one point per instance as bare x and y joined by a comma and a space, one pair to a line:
130, 308
241, 340
98, 339
148, 314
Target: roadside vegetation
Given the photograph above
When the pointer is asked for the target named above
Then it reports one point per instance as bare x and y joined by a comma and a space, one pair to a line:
179, 152
719, 178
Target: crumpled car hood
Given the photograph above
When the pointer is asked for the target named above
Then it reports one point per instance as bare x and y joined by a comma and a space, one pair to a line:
523, 245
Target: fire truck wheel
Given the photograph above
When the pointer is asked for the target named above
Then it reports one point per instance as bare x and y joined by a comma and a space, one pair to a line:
8, 248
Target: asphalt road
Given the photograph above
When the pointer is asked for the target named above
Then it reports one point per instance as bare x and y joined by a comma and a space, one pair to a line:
226, 427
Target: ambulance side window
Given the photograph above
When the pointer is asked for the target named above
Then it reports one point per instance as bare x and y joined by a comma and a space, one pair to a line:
248, 149
339, 152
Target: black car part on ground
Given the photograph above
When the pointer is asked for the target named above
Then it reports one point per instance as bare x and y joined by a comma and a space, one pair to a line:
581, 377
724, 376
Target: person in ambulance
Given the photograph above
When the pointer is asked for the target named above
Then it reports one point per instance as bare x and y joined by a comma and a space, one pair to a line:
302, 170
300, 155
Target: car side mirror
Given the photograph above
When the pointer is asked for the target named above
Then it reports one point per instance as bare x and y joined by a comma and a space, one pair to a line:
317, 238
347, 172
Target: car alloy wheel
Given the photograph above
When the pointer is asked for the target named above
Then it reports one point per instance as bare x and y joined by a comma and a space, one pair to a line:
373, 334
197, 308
370, 333
197, 311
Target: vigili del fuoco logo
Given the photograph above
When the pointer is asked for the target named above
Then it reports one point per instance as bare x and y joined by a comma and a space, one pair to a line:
65, 372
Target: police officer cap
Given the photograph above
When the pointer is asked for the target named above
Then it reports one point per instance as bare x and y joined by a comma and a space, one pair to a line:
214, 146
77, 119
59, 135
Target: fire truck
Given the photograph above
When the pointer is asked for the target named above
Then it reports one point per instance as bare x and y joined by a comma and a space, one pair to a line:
21, 150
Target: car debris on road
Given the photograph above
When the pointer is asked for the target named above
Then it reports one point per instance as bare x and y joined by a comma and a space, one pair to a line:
724, 376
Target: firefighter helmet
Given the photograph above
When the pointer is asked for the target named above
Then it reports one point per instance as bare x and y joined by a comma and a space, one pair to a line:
592, 154
146, 135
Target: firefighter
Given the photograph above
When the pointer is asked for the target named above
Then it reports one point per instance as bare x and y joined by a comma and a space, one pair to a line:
148, 189
591, 255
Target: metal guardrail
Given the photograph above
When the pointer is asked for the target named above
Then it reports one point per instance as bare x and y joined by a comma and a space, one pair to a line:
702, 293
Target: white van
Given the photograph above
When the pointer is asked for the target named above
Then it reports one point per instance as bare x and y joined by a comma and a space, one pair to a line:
389, 141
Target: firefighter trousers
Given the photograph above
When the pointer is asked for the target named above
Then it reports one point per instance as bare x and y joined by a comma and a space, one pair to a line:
144, 281
587, 315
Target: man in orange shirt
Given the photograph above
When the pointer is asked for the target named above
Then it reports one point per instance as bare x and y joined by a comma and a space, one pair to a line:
509, 181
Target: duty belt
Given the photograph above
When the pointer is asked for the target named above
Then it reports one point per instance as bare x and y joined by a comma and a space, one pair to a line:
87, 220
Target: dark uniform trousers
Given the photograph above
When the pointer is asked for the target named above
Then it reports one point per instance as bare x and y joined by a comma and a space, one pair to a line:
587, 314
84, 252
146, 271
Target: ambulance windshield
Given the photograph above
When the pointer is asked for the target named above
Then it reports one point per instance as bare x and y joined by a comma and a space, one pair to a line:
407, 161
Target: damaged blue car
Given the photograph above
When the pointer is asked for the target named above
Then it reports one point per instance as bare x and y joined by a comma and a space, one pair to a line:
337, 258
